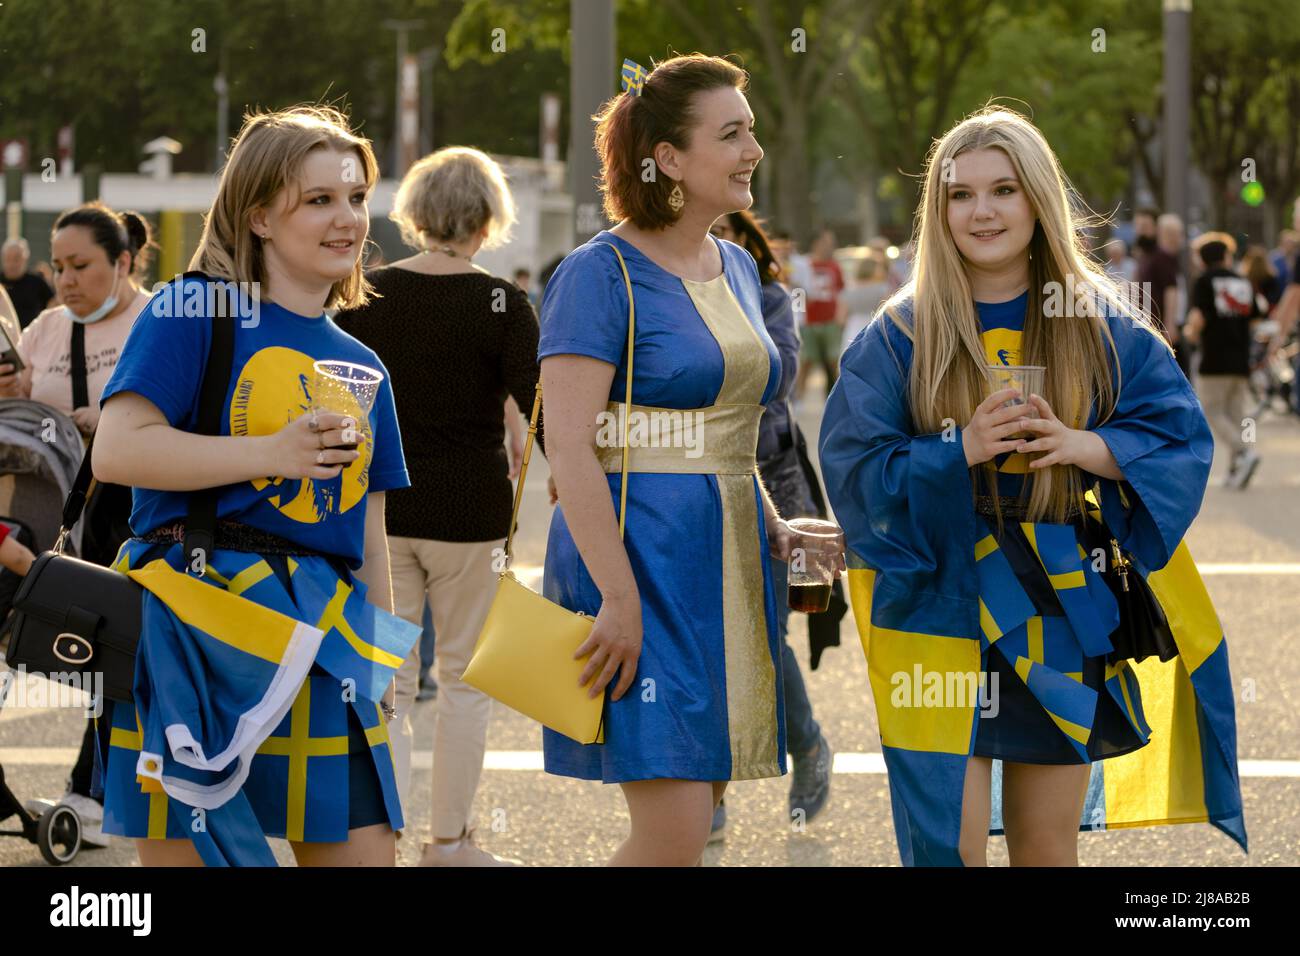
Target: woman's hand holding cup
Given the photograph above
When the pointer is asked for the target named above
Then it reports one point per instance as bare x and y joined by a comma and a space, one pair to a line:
990, 430
315, 445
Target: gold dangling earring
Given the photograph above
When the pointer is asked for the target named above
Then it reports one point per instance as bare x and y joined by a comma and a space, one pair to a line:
676, 198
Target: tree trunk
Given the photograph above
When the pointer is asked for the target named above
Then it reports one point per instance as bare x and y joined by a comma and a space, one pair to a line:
794, 186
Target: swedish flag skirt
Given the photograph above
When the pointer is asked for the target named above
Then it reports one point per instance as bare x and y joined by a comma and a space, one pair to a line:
325, 768
1018, 728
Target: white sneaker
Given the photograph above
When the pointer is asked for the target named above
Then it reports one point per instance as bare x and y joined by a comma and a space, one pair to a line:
464, 852
91, 813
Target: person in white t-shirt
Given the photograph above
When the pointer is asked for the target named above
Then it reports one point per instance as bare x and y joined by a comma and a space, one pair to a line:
98, 255
862, 299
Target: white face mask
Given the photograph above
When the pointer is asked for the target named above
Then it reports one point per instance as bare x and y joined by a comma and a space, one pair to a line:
106, 307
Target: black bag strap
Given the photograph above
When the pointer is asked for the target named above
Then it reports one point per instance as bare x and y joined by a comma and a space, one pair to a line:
82, 486
80, 393
200, 525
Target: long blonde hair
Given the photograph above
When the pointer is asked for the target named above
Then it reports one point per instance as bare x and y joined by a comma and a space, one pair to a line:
267, 156
948, 377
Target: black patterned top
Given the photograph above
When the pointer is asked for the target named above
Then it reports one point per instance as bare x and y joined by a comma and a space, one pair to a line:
454, 345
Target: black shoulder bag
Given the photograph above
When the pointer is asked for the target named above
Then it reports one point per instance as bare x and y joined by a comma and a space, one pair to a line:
1143, 628
75, 617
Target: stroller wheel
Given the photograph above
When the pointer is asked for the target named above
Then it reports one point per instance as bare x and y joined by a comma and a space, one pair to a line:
58, 834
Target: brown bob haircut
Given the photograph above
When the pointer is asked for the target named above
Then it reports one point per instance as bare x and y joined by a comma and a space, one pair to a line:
628, 127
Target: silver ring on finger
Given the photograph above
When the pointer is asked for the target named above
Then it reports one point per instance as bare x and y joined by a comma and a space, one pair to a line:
320, 457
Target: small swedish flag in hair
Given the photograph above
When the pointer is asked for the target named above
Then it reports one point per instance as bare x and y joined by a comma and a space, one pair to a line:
633, 76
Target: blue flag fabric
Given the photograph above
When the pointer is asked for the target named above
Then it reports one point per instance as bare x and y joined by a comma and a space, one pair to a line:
922, 596
632, 77
222, 688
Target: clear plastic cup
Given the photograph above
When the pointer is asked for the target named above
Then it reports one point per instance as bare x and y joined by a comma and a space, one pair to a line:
814, 562
1026, 379
345, 388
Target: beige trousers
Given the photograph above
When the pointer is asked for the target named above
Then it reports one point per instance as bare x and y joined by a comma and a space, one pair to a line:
1226, 400
460, 583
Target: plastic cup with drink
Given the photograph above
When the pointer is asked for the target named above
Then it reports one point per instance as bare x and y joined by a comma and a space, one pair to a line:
1025, 379
346, 388
815, 556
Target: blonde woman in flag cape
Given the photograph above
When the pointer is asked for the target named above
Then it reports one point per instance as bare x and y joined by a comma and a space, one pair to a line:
262, 671
962, 517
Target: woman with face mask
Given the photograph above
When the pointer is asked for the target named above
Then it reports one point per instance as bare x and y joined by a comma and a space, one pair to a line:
98, 257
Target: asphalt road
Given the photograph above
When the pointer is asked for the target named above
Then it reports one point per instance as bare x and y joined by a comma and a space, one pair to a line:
1248, 545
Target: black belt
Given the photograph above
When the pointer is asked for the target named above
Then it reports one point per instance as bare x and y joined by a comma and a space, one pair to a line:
233, 536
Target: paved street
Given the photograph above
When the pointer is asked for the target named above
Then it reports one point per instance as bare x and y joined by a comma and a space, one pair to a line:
1249, 549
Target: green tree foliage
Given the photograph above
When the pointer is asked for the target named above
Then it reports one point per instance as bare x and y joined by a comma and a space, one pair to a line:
863, 84
1246, 90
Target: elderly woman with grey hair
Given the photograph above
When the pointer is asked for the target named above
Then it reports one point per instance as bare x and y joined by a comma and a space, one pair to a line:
458, 342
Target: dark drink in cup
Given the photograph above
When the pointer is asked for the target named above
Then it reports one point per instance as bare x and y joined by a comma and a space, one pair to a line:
809, 598
814, 562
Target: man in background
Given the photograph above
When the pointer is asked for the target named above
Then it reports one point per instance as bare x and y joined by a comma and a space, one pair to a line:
824, 317
1161, 280
1144, 233
1221, 320
28, 291
524, 279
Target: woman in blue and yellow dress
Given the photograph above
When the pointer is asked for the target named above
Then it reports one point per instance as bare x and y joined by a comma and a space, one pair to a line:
263, 669
964, 519
684, 639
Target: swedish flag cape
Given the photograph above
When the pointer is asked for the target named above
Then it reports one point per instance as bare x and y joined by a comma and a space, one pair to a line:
922, 596
223, 661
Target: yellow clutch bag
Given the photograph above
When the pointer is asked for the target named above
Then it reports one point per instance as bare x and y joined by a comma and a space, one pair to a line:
524, 655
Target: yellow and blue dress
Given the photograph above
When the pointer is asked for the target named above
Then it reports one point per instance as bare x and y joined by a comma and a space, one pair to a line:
257, 681
706, 702
944, 599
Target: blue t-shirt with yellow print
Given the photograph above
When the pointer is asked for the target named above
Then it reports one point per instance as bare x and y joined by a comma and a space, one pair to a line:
270, 385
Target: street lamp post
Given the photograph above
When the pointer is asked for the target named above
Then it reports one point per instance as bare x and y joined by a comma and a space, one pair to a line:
591, 81
428, 59
1178, 109
222, 89
402, 27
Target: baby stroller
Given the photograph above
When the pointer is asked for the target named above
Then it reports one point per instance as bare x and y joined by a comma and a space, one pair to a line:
40, 451
55, 828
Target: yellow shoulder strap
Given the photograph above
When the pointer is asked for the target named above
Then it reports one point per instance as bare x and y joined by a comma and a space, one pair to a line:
537, 407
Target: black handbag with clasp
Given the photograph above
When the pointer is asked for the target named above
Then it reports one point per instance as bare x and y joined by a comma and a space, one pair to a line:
1143, 628
72, 617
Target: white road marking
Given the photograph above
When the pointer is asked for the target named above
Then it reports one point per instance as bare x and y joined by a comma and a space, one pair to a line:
531, 574
531, 760
1262, 567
